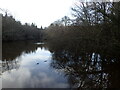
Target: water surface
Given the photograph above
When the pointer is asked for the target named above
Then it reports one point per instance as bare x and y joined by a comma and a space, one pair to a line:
29, 67
44, 65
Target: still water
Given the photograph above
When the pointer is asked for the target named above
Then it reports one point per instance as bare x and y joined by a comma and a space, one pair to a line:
30, 68
40, 65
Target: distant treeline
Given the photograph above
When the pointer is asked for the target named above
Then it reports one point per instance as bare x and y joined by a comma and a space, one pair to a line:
13, 30
94, 24
97, 22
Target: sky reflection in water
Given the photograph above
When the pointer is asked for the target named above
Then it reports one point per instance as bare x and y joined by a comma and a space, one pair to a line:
33, 75
31, 65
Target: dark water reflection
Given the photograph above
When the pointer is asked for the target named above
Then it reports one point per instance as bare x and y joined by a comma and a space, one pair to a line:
50, 66
27, 65
88, 66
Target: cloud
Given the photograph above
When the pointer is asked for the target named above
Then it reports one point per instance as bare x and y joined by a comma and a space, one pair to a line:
15, 78
23, 78
41, 12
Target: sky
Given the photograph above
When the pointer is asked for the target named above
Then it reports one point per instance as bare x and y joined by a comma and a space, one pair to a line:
40, 12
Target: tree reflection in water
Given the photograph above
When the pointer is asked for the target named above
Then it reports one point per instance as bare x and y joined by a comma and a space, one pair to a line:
86, 67
12, 53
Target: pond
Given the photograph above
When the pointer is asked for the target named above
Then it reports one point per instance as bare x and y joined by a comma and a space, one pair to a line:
27, 65
40, 65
